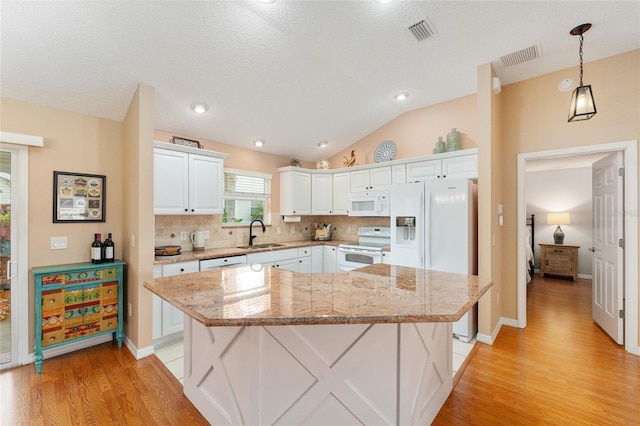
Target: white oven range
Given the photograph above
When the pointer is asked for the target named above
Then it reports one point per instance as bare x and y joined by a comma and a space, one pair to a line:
368, 250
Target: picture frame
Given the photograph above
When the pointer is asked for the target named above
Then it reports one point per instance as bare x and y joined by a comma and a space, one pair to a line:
78, 197
185, 142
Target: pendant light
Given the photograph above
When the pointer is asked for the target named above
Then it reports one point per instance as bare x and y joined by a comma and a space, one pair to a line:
583, 107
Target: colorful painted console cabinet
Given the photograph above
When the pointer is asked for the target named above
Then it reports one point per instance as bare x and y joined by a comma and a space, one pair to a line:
76, 301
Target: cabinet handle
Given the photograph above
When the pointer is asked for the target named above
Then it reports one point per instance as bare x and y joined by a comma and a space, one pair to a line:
186, 210
110, 324
52, 338
53, 301
110, 291
181, 269
444, 176
192, 210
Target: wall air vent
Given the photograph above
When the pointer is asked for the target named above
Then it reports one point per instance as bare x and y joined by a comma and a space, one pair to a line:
422, 30
520, 57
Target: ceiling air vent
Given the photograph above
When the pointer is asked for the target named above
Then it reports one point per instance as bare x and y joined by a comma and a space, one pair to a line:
520, 57
422, 30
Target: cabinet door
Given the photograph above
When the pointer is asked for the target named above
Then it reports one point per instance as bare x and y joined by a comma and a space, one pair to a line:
341, 187
170, 182
380, 177
330, 259
305, 264
424, 170
386, 257
462, 167
206, 182
172, 317
321, 193
288, 264
359, 180
398, 174
316, 259
295, 193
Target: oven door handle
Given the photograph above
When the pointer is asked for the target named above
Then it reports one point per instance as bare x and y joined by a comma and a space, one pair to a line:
356, 251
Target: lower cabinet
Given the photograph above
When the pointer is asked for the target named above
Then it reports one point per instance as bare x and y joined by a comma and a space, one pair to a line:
167, 319
330, 259
386, 257
75, 302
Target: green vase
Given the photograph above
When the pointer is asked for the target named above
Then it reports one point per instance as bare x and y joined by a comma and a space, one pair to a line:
453, 140
440, 146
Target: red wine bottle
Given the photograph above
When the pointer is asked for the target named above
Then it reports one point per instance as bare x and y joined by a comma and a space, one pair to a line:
96, 249
109, 249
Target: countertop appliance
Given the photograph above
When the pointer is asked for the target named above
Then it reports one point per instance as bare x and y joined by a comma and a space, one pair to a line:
368, 250
434, 226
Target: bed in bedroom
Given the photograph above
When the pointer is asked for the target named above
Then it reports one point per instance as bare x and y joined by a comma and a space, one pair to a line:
531, 226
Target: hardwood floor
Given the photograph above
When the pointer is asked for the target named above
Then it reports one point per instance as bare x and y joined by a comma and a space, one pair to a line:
561, 369
102, 385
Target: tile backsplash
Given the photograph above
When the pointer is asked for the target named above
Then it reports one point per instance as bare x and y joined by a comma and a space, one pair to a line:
168, 229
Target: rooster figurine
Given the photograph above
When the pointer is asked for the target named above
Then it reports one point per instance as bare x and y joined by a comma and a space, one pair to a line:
350, 161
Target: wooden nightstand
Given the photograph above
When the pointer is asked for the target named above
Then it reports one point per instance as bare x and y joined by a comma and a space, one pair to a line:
559, 259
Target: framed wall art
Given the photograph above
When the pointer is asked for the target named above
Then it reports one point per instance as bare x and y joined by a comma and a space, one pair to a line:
78, 197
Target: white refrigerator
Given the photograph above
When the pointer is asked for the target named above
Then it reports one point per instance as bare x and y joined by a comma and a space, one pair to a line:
434, 226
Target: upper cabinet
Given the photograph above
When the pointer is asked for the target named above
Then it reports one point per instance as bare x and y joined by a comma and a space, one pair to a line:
371, 179
454, 167
295, 192
187, 180
321, 193
341, 191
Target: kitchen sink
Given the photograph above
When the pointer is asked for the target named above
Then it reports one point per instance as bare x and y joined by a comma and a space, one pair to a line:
261, 246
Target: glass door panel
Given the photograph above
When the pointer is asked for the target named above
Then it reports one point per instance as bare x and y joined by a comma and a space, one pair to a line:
6, 340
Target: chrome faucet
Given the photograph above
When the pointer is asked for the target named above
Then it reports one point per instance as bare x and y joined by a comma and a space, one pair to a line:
251, 236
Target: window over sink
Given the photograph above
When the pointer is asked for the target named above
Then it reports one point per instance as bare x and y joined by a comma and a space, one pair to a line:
247, 196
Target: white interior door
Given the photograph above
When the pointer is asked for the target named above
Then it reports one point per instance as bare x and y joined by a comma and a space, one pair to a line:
608, 256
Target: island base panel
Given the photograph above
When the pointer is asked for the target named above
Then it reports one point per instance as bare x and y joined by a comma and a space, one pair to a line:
318, 374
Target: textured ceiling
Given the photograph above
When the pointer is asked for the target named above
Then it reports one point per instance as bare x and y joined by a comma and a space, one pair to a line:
291, 72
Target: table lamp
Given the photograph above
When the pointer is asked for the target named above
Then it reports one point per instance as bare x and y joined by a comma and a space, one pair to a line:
563, 218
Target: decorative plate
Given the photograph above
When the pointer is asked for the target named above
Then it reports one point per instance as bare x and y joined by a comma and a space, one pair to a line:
323, 164
385, 151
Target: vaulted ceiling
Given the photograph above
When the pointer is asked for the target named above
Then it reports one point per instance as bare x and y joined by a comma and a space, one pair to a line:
292, 73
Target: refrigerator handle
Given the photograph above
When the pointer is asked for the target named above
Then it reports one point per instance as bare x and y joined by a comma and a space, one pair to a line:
427, 229
421, 232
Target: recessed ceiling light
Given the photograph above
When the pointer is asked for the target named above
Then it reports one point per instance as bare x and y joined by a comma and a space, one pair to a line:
258, 143
322, 144
267, 1
401, 96
384, 1
199, 107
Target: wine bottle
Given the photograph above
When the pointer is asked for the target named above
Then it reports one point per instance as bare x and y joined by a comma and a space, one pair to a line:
96, 249
109, 249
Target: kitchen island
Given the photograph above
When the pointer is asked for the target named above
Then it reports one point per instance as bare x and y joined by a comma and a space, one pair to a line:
270, 346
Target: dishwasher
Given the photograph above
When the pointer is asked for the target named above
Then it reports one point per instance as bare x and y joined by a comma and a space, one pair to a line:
206, 265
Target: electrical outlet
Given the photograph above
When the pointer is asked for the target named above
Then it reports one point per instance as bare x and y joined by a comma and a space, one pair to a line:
206, 234
293, 229
183, 236
279, 231
58, 243
348, 229
129, 308
133, 240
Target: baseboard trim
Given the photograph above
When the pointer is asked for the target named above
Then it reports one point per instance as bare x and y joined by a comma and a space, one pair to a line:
72, 347
489, 339
138, 353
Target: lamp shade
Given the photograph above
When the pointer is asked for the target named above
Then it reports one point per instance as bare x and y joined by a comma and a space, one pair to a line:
563, 218
583, 107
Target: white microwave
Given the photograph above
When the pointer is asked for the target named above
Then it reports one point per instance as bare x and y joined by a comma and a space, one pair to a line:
372, 203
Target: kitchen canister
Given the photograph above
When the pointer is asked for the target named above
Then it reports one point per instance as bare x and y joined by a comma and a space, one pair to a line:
440, 146
453, 140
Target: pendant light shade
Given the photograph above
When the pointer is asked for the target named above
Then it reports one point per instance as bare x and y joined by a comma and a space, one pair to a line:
582, 107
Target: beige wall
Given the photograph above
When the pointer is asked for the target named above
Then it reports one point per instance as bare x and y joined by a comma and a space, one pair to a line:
73, 143
534, 118
415, 133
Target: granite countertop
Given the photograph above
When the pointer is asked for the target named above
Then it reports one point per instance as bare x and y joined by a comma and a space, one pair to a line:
187, 256
258, 295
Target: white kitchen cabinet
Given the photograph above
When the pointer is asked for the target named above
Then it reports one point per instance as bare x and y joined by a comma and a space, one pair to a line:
287, 264
321, 193
398, 174
386, 257
272, 256
295, 192
316, 259
167, 319
374, 178
187, 182
330, 259
454, 167
341, 190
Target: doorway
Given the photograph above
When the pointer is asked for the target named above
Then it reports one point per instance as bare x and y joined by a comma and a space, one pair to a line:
629, 148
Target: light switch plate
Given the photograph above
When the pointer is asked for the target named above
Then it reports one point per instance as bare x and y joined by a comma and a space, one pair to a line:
58, 243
